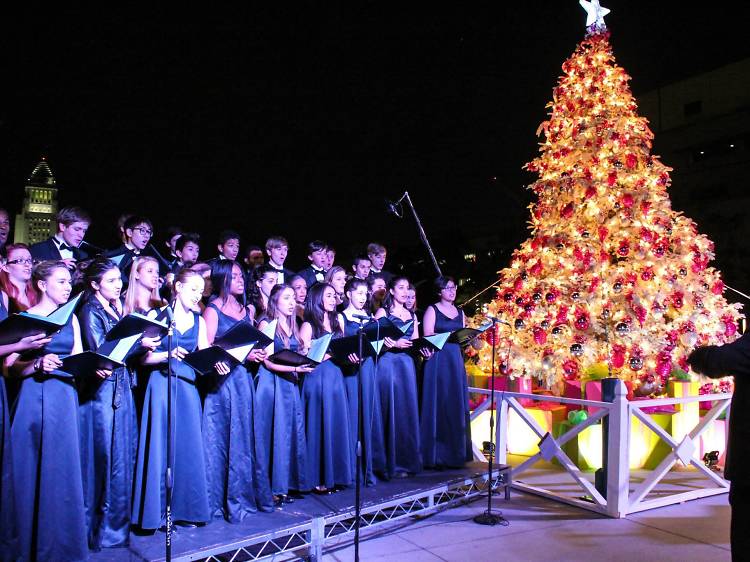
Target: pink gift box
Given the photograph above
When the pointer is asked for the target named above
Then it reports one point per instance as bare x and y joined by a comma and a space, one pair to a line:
523, 385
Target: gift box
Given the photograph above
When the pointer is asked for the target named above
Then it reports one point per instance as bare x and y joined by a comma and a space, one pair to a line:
682, 389
522, 385
521, 438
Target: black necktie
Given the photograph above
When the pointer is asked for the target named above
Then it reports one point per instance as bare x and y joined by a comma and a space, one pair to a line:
64, 246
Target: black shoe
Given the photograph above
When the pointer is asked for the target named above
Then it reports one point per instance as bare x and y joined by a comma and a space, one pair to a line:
295, 495
286, 499
186, 524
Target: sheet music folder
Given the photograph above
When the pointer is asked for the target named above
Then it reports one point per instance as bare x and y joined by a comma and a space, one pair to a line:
18, 326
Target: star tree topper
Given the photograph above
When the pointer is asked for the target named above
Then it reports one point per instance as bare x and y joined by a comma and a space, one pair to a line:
594, 15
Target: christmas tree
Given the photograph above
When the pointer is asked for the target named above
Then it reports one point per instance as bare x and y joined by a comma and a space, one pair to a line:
612, 280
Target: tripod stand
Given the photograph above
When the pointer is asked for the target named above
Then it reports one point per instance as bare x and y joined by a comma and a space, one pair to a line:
489, 518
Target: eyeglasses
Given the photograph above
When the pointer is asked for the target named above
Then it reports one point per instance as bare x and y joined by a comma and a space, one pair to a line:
449, 288
24, 261
144, 231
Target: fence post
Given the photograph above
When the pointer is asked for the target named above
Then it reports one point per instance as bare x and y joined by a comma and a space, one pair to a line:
501, 430
618, 453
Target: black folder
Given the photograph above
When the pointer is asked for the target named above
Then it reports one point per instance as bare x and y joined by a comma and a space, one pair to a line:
434, 342
342, 348
383, 328
109, 355
204, 360
135, 323
87, 363
243, 333
464, 336
18, 326
318, 349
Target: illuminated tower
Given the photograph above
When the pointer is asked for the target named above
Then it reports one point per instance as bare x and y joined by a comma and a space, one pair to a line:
36, 221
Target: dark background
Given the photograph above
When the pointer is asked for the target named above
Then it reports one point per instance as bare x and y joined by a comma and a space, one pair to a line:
301, 123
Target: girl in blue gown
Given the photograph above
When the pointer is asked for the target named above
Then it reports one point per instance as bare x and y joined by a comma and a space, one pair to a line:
444, 419
109, 429
397, 385
8, 531
45, 435
279, 415
373, 456
189, 493
327, 423
237, 484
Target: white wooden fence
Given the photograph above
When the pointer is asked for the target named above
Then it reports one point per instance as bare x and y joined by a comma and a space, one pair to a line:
622, 496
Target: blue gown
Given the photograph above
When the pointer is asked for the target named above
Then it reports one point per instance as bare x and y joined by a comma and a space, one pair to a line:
237, 484
8, 532
189, 493
327, 424
109, 439
444, 421
396, 378
373, 455
47, 462
280, 427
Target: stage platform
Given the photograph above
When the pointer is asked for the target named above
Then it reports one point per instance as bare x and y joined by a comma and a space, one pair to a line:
305, 527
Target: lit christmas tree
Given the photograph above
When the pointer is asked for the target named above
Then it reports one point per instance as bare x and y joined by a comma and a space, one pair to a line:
612, 279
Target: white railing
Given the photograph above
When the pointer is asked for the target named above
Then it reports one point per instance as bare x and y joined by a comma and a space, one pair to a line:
622, 496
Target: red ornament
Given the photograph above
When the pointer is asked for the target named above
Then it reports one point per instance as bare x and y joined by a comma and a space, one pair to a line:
718, 288
582, 321
627, 200
540, 336
536, 269
677, 299
570, 368
590, 192
645, 207
624, 248
567, 211
631, 160
618, 356
612, 179
603, 231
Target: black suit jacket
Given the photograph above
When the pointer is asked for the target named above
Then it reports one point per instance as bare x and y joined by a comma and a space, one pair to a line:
309, 275
721, 361
47, 250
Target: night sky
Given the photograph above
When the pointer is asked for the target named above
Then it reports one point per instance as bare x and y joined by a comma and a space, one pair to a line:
301, 123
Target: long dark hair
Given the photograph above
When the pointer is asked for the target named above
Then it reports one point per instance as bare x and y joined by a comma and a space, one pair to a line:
315, 313
272, 312
388, 301
221, 280
94, 273
253, 291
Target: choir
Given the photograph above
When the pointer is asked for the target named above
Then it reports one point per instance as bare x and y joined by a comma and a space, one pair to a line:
89, 447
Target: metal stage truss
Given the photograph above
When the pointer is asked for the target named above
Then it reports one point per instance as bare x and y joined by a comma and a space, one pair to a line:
310, 539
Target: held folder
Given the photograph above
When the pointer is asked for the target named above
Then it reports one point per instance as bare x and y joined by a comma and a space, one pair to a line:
464, 336
135, 323
105, 357
243, 333
204, 360
23, 324
315, 356
434, 342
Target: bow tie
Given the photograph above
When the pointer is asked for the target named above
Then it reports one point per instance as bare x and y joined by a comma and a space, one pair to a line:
277, 270
64, 246
321, 271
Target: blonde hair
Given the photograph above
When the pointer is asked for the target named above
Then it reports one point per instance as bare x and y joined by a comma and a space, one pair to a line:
131, 295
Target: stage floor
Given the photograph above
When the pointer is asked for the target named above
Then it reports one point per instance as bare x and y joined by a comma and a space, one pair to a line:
190, 543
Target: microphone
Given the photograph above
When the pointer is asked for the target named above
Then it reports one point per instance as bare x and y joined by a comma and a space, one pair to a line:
497, 320
361, 316
97, 249
392, 208
157, 255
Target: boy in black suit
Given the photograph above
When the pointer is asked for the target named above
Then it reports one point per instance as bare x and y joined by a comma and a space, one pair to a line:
72, 224
316, 271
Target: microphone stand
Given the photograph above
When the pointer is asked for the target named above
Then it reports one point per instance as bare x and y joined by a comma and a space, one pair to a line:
489, 518
169, 477
360, 427
393, 208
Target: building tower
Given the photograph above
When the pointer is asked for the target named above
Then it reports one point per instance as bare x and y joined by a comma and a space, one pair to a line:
35, 223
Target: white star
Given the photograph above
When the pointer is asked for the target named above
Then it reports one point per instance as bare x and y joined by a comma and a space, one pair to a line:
594, 13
